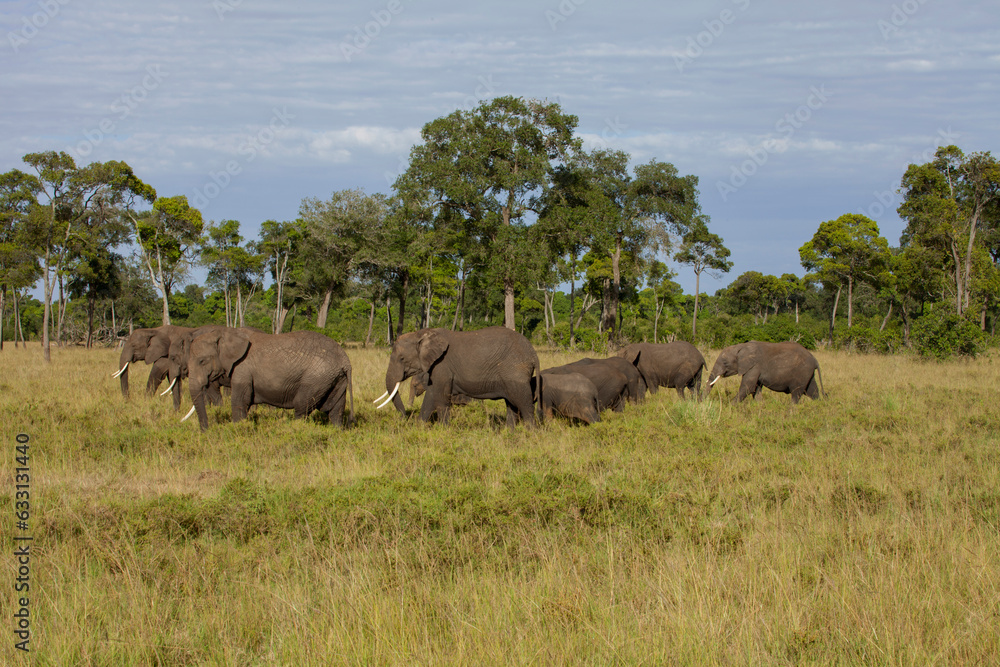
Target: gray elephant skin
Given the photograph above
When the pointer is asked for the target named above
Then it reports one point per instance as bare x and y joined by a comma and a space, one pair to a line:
612, 384
301, 370
151, 345
495, 363
783, 367
177, 362
678, 365
571, 395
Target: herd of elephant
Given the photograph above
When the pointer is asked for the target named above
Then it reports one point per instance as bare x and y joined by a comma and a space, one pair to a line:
307, 371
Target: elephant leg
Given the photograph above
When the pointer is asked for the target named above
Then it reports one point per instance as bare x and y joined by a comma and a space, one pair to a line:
812, 389
749, 385
242, 397
680, 391
160, 369
436, 400
522, 402
334, 404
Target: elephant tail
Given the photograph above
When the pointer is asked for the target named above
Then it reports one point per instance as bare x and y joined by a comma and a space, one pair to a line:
350, 395
819, 379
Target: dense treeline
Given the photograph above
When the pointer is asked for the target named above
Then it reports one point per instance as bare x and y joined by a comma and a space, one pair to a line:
498, 212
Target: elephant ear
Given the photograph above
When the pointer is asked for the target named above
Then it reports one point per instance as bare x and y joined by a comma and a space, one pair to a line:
233, 346
430, 348
159, 347
631, 354
746, 357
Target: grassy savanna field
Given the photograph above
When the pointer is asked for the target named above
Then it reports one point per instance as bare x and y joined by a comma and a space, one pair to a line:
859, 529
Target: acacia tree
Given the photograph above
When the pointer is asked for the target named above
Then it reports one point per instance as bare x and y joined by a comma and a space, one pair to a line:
846, 251
232, 265
704, 251
280, 243
488, 166
947, 204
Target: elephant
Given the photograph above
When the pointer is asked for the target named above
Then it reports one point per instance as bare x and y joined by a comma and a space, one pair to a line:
301, 370
177, 358
570, 394
492, 363
635, 387
784, 367
611, 383
678, 365
151, 345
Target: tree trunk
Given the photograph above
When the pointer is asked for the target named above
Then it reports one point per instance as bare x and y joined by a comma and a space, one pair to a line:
850, 301
371, 323
572, 299
833, 315
280, 322
91, 304
388, 320
616, 281
3, 292
324, 308
885, 319
697, 295
508, 303
405, 285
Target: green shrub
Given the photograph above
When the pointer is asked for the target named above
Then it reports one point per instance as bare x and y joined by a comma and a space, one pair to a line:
869, 339
941, 333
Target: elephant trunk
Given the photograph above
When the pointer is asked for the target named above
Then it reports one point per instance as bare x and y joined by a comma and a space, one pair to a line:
394, 376
123, 361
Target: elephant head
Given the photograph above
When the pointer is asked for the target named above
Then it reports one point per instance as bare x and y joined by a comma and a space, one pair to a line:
733, 360
211, 359
147, 345
413, 354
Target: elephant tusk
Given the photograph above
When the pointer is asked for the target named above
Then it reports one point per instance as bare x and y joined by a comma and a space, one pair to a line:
118, 374
384, 393
394, 390
714, 381
190, 412
167, 390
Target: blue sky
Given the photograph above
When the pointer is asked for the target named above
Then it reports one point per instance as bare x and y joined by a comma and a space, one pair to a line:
789, 113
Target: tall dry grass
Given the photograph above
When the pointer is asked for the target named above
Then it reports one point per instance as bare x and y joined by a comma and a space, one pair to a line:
859, 529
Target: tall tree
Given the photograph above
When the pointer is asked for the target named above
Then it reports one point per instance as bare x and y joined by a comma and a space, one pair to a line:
704, 251
281, 243
340, 231
18, 264
489, 165
74, 198
167, 236
947, 204
846, 251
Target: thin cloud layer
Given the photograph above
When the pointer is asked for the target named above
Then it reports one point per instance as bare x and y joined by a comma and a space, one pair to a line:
789, 113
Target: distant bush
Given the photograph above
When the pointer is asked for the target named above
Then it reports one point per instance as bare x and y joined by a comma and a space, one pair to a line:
869, 339
941, 333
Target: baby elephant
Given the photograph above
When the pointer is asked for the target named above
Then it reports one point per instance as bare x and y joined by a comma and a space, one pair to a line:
570, 394
784, 367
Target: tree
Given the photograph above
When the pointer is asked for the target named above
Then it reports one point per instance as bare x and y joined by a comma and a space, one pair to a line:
703, 251
280, 243
488, 166
947, 203
341, 231
75, 199
233, 266
18, 264
845, 251
167, 236
659, 279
